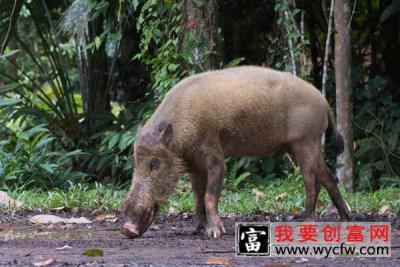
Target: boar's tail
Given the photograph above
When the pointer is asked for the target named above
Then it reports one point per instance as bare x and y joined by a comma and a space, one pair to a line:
338, 142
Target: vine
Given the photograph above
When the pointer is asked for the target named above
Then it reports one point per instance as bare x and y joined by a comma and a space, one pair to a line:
160, 24
295, 58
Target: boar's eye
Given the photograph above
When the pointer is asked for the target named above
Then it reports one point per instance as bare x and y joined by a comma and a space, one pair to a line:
154, 164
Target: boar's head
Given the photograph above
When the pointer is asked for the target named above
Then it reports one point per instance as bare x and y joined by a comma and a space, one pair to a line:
157, 169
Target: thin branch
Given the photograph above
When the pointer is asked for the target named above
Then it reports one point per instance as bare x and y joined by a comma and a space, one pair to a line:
48, 16
290, 44
384, 147
326, 57
303, 42
49, 104
327, 46
13, 17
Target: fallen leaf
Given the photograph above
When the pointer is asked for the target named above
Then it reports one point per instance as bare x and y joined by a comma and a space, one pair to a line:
218, 260
154, 227
258, 194
172, 211
58, 209
383, 209
295, 212
43, 263
49, 219
106, 217
64, 247
280, 197
7, 201
301, 260
45, 219
348, 206
93, 252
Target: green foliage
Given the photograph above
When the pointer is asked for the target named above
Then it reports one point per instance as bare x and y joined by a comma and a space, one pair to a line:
33, 157
282, 195
41, 86
97, 197
279, 195
111, 160
391, 10
233, 177
160, 25
294, 57
377, 128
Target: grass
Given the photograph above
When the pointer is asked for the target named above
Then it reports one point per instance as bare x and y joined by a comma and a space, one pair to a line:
77, 196
278, 195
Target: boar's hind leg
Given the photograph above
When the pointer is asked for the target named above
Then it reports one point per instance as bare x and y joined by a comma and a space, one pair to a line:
329, 181
215, 176
199, 181
307, 153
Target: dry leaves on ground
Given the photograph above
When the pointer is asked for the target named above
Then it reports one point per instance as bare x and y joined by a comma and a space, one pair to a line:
50, 219
109, 217
218, 261
44, 262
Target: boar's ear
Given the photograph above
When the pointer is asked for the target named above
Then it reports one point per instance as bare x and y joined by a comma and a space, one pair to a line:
166, 133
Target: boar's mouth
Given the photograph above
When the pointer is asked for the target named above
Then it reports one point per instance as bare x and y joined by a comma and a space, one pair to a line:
134, 230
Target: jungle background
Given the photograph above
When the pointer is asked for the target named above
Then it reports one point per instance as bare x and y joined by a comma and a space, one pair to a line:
77, 77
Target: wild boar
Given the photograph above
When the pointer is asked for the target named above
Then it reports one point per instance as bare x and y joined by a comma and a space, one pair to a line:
241, 111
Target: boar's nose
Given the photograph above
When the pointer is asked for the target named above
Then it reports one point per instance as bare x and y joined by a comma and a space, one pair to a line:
130, 229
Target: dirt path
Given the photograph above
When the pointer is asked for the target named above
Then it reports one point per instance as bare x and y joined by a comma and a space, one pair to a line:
166, 243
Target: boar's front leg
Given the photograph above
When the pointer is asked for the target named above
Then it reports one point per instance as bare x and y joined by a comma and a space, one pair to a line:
215, 175
198, 179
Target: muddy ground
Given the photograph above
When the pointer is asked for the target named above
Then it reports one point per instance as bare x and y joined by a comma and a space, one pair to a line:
168, 242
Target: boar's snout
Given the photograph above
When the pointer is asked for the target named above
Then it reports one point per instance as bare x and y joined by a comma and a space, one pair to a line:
136, 225
131, 230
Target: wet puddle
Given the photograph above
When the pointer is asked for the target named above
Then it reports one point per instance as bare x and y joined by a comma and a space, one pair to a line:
62, 235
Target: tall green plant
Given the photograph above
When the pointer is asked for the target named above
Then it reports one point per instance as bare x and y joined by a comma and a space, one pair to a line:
41, 86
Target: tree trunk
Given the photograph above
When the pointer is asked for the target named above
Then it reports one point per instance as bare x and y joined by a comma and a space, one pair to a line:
98, 106
343, 90
201, 22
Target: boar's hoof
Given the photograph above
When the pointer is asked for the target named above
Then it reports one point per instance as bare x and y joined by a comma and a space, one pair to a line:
305, 217
130, 230
198, 229
215, 230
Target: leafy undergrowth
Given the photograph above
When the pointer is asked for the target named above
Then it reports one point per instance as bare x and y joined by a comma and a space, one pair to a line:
99, 196
279, 195
287, 195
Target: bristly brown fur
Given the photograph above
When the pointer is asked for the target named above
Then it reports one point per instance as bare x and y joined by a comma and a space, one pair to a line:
242, 111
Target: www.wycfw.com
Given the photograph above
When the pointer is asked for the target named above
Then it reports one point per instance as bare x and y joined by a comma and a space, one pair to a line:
324, 251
